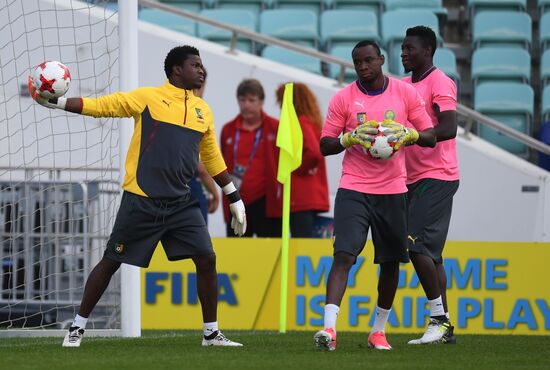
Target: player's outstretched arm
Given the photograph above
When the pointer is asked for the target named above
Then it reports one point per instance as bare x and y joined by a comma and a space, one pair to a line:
236, 205
73, 105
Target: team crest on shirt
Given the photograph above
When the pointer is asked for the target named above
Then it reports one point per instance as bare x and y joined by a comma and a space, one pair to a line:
389, 115
198, 112
361, 118
119, 248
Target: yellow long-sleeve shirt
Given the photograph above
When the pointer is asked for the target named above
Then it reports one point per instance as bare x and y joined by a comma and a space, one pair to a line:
172, 126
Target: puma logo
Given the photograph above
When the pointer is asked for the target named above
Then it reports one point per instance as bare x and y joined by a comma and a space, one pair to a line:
412, 239
167, 103
359, 103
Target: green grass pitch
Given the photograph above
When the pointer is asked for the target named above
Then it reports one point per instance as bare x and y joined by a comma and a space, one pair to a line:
268, 350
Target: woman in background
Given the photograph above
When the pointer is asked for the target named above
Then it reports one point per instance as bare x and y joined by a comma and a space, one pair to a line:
309, 194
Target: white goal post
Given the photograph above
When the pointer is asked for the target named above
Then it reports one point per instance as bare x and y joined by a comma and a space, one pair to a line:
60, 173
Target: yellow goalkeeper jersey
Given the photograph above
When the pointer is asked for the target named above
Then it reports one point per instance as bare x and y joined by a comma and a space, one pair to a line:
172, 126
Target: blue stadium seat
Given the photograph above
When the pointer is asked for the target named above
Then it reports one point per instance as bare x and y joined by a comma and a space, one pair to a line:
348, 26
291, 58
544, 6
374, 5
545, 108
343, 51
168, 20
242, 18
544, 31
502, 28
476, 6
445, 60
189, 5
316, 6
545, 68
291, 24
510, 64
435, 6
394, 27
254, 6
511, 103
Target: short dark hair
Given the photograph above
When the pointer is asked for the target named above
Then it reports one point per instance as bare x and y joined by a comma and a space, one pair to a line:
362, 43
177, 56
426, 36
251, 86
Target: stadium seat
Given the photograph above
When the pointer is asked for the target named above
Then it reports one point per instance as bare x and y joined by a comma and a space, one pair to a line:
348, 25
316, 6
476, 6
545, 68
394, 27
544, 31
168, 20
435, 6
242, 18
511, 64
291, 24
373, 5
292, 58
343, 51
445, 60
545, 108
544, 6
511, 103
189, 5
502, 28
254, 6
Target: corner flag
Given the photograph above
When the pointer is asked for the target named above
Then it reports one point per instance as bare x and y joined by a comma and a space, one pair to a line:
290, 143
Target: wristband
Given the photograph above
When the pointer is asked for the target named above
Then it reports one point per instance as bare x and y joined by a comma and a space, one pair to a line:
231, 192
229, 188
61, 103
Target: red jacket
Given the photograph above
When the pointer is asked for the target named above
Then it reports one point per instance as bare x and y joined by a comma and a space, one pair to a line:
267, 140
309, 185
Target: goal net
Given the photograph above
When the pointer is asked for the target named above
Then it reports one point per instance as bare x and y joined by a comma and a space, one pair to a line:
59, 172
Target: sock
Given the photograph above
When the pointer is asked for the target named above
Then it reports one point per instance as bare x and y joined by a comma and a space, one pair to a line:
436, 307
331, 314
380, 319
80, 321
210, 328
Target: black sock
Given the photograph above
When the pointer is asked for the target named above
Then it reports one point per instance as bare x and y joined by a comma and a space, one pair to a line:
440, 318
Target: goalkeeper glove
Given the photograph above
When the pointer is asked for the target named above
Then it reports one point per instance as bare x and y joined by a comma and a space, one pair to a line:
363, 135
58, 103
399, 134
236, 207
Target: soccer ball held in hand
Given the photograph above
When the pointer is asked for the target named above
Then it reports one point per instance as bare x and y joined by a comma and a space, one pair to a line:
381, 148
51, 79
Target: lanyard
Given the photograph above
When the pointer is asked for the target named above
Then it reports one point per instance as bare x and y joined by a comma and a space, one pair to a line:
254, 148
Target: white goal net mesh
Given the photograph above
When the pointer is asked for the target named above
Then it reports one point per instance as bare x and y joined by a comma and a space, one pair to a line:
58, 171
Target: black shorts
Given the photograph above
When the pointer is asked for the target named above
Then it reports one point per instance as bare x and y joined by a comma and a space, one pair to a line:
142, 222
430, 206
355, 213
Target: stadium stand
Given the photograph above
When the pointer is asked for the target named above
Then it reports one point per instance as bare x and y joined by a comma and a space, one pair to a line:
292, 58
502, 28
445, 60
291, 24
344, 25
511, 103
510, 64
476, 6
242, 18
168, 20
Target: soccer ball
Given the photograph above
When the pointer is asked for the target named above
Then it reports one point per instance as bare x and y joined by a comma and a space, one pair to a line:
51, 79
381, 148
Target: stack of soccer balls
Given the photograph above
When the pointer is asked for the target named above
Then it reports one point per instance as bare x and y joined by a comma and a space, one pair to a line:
51, 79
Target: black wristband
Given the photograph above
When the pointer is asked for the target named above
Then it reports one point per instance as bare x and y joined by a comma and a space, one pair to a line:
234, 196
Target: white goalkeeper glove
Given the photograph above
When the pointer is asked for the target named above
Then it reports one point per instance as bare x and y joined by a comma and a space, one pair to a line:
238, 212
56, 103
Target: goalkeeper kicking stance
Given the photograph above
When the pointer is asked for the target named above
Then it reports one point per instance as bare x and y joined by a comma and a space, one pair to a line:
432, 179
172, 126
372, 193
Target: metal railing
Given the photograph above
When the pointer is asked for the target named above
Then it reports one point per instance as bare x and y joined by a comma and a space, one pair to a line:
468, 114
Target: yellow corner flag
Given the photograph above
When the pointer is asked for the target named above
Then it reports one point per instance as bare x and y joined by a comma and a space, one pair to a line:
289, 137
290, 141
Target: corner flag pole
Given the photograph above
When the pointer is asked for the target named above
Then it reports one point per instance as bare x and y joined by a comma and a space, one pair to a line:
290, 143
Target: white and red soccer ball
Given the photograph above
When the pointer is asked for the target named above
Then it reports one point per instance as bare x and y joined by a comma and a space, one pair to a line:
381, 148
51, 79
